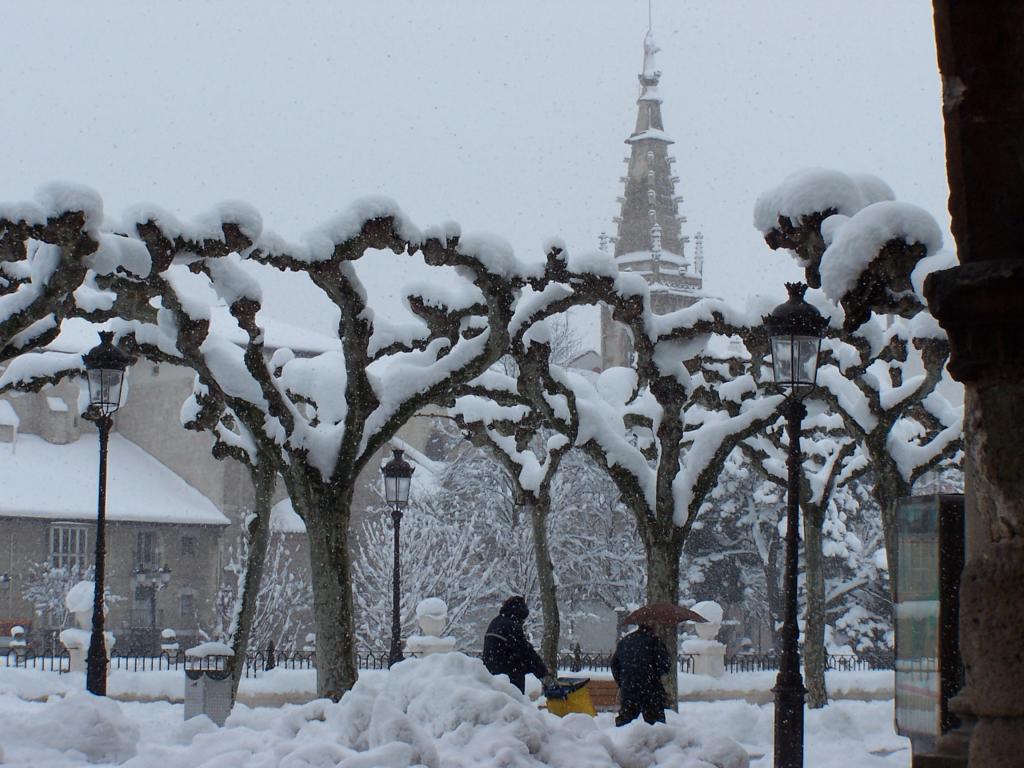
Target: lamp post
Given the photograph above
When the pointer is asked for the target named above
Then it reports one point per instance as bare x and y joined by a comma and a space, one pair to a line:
397, 479
795, 329
105, 365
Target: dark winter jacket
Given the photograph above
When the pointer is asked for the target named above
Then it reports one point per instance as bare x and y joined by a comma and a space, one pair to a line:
506, 649
639, 661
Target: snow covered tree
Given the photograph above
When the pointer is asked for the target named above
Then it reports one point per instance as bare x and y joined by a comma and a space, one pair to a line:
46, 251
283, 603
733, 552
206, 411
830, 459
871, 253
51, 253
444, 554
597, 554
662, 428
515, 435
884, 383
323, 418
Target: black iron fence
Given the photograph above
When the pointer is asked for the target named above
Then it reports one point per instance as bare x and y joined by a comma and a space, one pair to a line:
577, 661
843, 662
47, 662
262, 661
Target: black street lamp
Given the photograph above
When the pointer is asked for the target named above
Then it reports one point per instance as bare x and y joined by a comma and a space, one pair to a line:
795, 329
397, 479
105, 365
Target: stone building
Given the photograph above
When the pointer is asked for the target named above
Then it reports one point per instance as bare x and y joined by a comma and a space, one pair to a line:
162, 533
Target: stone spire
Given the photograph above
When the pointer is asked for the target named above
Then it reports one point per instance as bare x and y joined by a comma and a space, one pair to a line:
650, 240
650, 220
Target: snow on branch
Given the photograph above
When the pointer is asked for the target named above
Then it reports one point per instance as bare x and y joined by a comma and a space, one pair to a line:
852, 239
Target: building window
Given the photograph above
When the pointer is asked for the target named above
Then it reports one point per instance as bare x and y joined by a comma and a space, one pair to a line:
145, 551
144, 607
187, 603
188, 546
68, 546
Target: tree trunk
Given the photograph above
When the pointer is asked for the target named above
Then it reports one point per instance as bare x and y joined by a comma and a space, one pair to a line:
773, 588
663, 587
327, 515
814, 619
889, 490
546, 582
264, 476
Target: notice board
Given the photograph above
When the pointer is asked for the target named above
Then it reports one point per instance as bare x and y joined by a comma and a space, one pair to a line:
929, 561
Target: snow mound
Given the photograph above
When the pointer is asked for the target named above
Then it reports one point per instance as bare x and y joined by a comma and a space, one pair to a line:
450, 711
439, 711
82, 723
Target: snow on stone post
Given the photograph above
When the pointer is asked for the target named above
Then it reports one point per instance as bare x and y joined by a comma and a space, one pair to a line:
79, 602
432, 616
708, 653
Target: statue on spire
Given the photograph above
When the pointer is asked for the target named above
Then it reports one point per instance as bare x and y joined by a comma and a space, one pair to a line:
650, 48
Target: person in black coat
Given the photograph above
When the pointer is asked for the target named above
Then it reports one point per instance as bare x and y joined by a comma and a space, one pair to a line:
506, 649
639, 661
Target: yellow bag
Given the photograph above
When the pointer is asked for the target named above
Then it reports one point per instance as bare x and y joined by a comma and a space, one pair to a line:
570, 694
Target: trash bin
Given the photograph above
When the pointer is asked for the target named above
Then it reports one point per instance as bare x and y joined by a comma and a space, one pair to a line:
208, 692
208, 682
569, 694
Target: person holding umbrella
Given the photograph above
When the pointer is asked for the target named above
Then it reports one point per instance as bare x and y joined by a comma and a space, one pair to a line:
639, 661
641, 658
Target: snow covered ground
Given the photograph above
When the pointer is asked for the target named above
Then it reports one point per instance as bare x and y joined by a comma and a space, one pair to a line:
444, 711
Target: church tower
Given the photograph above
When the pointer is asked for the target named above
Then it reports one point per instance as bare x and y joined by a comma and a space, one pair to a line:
650, 241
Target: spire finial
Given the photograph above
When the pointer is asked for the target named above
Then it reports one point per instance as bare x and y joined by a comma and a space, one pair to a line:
650, 73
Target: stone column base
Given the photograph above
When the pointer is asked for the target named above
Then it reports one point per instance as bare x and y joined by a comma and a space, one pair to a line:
992, 643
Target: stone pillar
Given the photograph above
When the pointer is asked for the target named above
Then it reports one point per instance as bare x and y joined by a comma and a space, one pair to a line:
981, 306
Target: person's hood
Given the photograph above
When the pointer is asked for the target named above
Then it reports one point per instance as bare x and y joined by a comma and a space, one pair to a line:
515, 607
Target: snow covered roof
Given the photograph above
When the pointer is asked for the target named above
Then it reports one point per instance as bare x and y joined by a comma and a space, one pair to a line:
58, 482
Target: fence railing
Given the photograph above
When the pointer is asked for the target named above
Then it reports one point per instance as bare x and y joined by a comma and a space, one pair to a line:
601, 662
262, 661
843, 662
60, 662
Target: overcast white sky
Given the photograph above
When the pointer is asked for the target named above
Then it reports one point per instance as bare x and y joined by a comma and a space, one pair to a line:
506, 117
